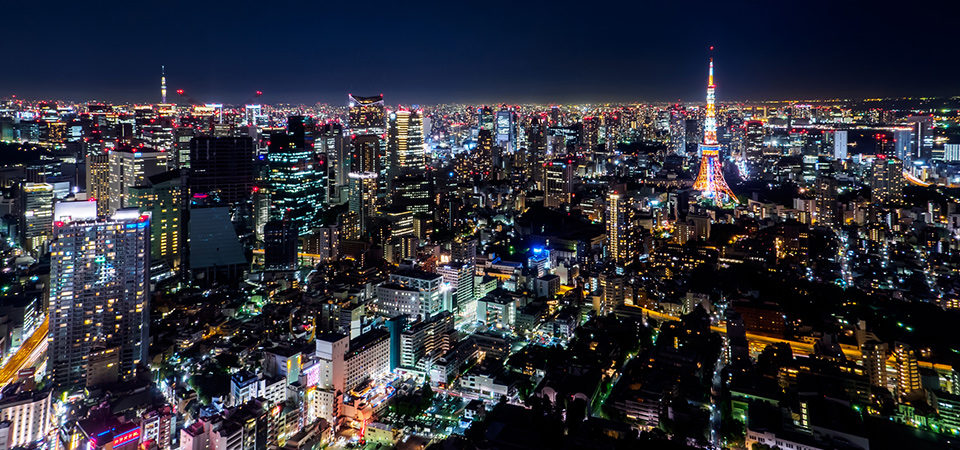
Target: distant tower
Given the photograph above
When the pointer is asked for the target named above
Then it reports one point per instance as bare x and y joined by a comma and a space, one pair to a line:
710, 180
163, 84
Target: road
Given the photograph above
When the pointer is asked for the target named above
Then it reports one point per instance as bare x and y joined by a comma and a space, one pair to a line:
798, 347
27, 355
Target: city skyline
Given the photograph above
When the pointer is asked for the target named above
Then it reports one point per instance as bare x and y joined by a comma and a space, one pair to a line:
444, 226
441, 54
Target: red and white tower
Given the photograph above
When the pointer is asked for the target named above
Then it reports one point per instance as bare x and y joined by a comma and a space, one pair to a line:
710, 182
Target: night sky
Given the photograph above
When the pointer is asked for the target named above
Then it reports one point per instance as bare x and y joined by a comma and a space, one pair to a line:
477, 51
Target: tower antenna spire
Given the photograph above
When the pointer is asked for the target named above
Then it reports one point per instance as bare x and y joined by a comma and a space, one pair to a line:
163, 84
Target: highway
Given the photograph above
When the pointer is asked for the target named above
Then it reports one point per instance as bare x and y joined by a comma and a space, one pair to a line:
798, 347
27, 355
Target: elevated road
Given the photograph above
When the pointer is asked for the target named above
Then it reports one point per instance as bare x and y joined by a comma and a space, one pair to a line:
798, 347
27, 355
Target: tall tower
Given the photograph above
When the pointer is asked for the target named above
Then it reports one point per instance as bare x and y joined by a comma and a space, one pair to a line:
163, 84
710, 180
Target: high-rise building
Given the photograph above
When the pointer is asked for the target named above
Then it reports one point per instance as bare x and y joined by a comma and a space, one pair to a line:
923, 136
363, 199
367, 122
485, 118
951, 152
162, 197
874, 355
506, 132
279, 245
908, 372
130, 167
98, 180
903, 144
825, 194
181, 141
366, 114
330, 136
886, 182
425, 340
36, 215
405, 142
753, 144
621, 240
558, 182
710, 180
840, 144
365, 153
99, 291
591, 133
412, 192
460, 277
223, 167
295, 182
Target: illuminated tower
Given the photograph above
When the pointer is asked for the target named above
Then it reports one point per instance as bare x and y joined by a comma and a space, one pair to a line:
163, 84
710, 180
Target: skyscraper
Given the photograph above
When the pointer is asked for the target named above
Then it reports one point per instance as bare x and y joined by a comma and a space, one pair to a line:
36, 215
366, 114
363, 199
222, 166
886, 182
279, 245
405, 142
295, 182
99, 290
162, 197
506, 134
130, 167
558, 182
710, 180
330, 136
621, 242
840, 144
98, 180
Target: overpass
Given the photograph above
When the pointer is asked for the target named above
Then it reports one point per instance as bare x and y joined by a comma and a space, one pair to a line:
29, 353
800, 347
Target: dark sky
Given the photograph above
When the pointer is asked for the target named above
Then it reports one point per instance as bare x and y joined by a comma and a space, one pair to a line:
477, 51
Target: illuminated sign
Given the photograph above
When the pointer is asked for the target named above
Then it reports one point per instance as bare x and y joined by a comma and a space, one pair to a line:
127, 437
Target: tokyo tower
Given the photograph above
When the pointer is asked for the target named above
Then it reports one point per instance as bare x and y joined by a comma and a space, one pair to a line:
713, 188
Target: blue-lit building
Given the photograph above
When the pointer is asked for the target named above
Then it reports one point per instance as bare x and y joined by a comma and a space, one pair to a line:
296, 177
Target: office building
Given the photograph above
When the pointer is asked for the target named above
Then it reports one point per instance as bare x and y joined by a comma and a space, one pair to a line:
405, 147
36, 216
295, 182
98, 180
558, 182
363, 199
222, 167
162, 197
131, 167
840, 144
279, 245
